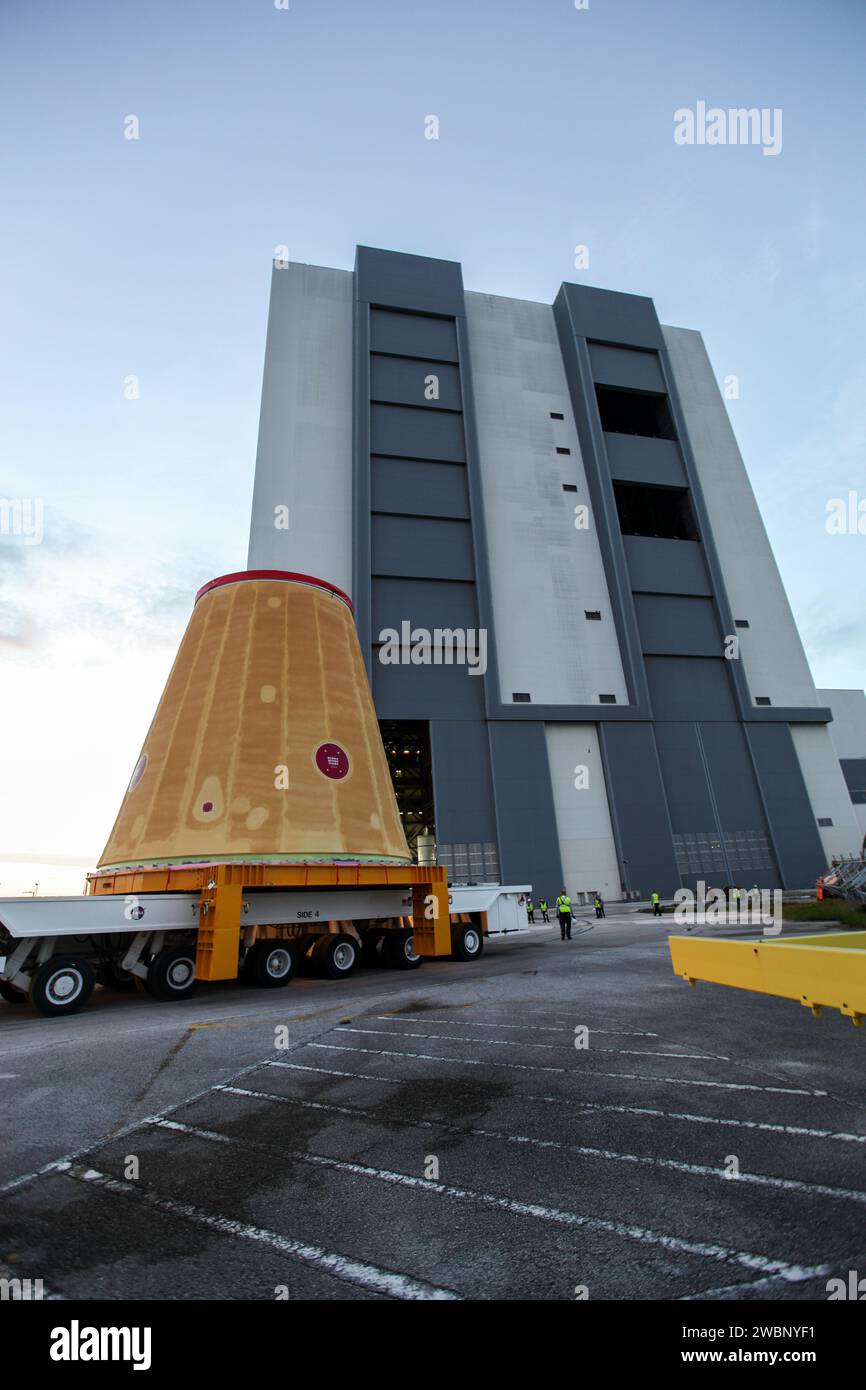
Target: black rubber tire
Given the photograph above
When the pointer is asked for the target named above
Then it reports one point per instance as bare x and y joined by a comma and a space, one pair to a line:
171, 973
337, 955
62, 985
269, 964
110, 976
11, 993
398, 948
372, 951
467, 942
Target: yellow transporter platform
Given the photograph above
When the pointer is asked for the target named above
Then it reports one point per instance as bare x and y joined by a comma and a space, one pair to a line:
220, 889
818, 971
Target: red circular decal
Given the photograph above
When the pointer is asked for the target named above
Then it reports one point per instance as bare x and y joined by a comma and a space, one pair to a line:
332, 761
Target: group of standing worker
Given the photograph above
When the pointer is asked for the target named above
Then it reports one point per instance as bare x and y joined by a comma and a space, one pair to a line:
542, 907
563, 911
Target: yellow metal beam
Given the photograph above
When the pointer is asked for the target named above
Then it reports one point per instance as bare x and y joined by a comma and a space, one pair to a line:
818, 971
181, 878
218, 936
431, 922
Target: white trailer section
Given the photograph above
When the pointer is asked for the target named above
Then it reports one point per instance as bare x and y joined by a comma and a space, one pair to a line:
53, 950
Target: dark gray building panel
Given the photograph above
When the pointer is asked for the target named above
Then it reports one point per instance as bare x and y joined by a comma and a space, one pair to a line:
396, 280
422, 433
525, 814
794, 830
409, 381
610, 317
427, 692
635, 459
413, 335
673, 625
854, 772
463, 785
690, 688
425, 603
687, 791
666, 567
639, 808
733, 776
414, 487
421, 547
624, 367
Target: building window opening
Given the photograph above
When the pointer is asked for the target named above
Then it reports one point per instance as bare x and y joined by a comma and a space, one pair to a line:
634, 412
663, 512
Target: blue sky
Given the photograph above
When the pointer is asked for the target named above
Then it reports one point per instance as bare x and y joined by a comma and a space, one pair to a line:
305, 127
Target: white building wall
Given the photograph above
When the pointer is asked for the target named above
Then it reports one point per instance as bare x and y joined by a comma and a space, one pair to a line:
304, 458
827, 789
848, 732
770, 648
586, 843
544, 572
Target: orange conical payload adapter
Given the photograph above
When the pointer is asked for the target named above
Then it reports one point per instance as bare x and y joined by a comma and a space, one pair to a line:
265, 745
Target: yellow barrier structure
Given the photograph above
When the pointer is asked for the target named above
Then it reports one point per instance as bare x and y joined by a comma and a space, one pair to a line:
819, 971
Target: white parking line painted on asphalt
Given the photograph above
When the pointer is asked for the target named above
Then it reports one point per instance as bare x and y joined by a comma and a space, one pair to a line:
517, 1042
701, 1170
329, 1071
535, 1211
641, 1111
569, 1071
341, 1266
749, 1286
529, 1027
794, 1131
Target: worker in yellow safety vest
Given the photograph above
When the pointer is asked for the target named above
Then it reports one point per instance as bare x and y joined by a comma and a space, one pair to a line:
657, 904
563, 912
544, 909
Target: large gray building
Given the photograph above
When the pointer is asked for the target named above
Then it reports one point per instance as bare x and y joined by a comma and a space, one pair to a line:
563, 480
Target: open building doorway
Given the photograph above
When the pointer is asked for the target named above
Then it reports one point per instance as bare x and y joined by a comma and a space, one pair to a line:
407, 748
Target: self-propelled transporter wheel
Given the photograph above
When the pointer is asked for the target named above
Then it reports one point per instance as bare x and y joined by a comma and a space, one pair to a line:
337, 955
269, 964
171, 973
467, 941
399, 949
62, 985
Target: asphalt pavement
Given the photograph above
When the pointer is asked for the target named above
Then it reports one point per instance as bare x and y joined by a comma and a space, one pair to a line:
553, 1121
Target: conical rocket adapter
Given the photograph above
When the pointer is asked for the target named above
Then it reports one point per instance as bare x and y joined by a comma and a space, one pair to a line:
265, 745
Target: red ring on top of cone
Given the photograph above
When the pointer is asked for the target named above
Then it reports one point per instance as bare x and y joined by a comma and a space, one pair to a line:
289, 576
